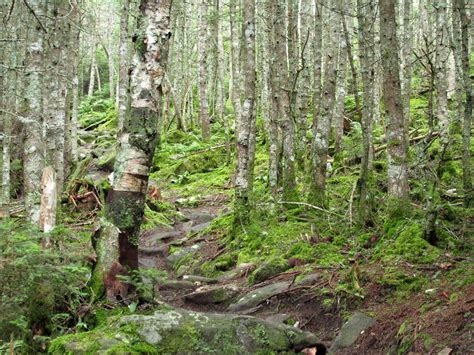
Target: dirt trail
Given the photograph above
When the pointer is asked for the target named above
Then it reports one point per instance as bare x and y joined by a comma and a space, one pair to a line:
281, 299
190, 291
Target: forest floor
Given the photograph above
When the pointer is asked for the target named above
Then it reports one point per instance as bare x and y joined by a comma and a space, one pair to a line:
373, 290
430, 321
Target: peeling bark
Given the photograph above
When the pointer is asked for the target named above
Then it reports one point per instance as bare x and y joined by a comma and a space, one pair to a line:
118, 236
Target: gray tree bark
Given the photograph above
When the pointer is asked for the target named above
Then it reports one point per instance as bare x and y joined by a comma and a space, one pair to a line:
246, 123
397, 145
118, 237
323, 126
203, 72
467, 120
33, 144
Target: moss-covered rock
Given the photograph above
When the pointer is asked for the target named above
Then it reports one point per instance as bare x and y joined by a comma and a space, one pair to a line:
178, 331
267, 270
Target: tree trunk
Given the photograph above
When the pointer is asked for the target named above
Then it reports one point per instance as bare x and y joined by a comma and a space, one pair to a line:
49, 201
366, 16
397, 145
323, 127
124, 53
282, 96
90, 92
55, 87
118, 236
467, 121
303, 95
203, 72
442, 56
235, 72
33, 144
246, 123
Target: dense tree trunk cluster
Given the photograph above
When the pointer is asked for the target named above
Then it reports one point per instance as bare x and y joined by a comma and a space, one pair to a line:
299, 77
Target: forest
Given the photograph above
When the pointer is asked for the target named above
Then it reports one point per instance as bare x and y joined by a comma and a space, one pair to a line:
236, 177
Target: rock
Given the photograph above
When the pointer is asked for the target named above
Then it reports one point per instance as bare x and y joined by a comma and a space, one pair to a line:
176, 285
309, 280
241, 270
211, 295
351, 330
161, 250
147, 263
268, 270
179, 331
278, 318
178, 242
162, 236
199, 227
255, 297
446, 351
201, 279
176, 257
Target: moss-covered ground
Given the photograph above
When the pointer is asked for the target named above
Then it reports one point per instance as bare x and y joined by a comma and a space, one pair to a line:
388, 260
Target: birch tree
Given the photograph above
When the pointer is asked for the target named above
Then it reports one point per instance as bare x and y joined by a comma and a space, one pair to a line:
117, 240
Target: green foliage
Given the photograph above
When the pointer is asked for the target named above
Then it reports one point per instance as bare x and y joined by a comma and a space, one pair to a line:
98, 113
41, 288
405, 240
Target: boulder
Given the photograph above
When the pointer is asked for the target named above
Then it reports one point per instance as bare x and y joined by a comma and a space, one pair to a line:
350, 331
176, 285
200, 279
179, 331
267, 270
176, 257
257, 296
212, 295
241, 270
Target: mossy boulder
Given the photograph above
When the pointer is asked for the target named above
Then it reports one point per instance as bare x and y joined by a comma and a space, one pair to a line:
407, 242
178, 331
267, 270
214, 294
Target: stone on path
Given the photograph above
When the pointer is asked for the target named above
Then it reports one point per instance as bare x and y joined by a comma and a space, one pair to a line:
241, 270
351, 330
176, 257
257, 296
201, 279
176, 285
212, 295
173, 331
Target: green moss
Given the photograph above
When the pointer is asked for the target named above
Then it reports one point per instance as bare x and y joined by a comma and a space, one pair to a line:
407, 243
405, 283
107, 161
267, 270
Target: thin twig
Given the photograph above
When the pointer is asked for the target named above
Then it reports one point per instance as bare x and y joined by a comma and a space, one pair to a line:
310, 206
36, 17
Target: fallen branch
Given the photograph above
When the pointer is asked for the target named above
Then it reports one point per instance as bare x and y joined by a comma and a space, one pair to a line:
201, 151
310, 206
412, 140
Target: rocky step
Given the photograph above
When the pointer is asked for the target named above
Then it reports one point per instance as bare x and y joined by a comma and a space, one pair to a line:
179, 331
212, 294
